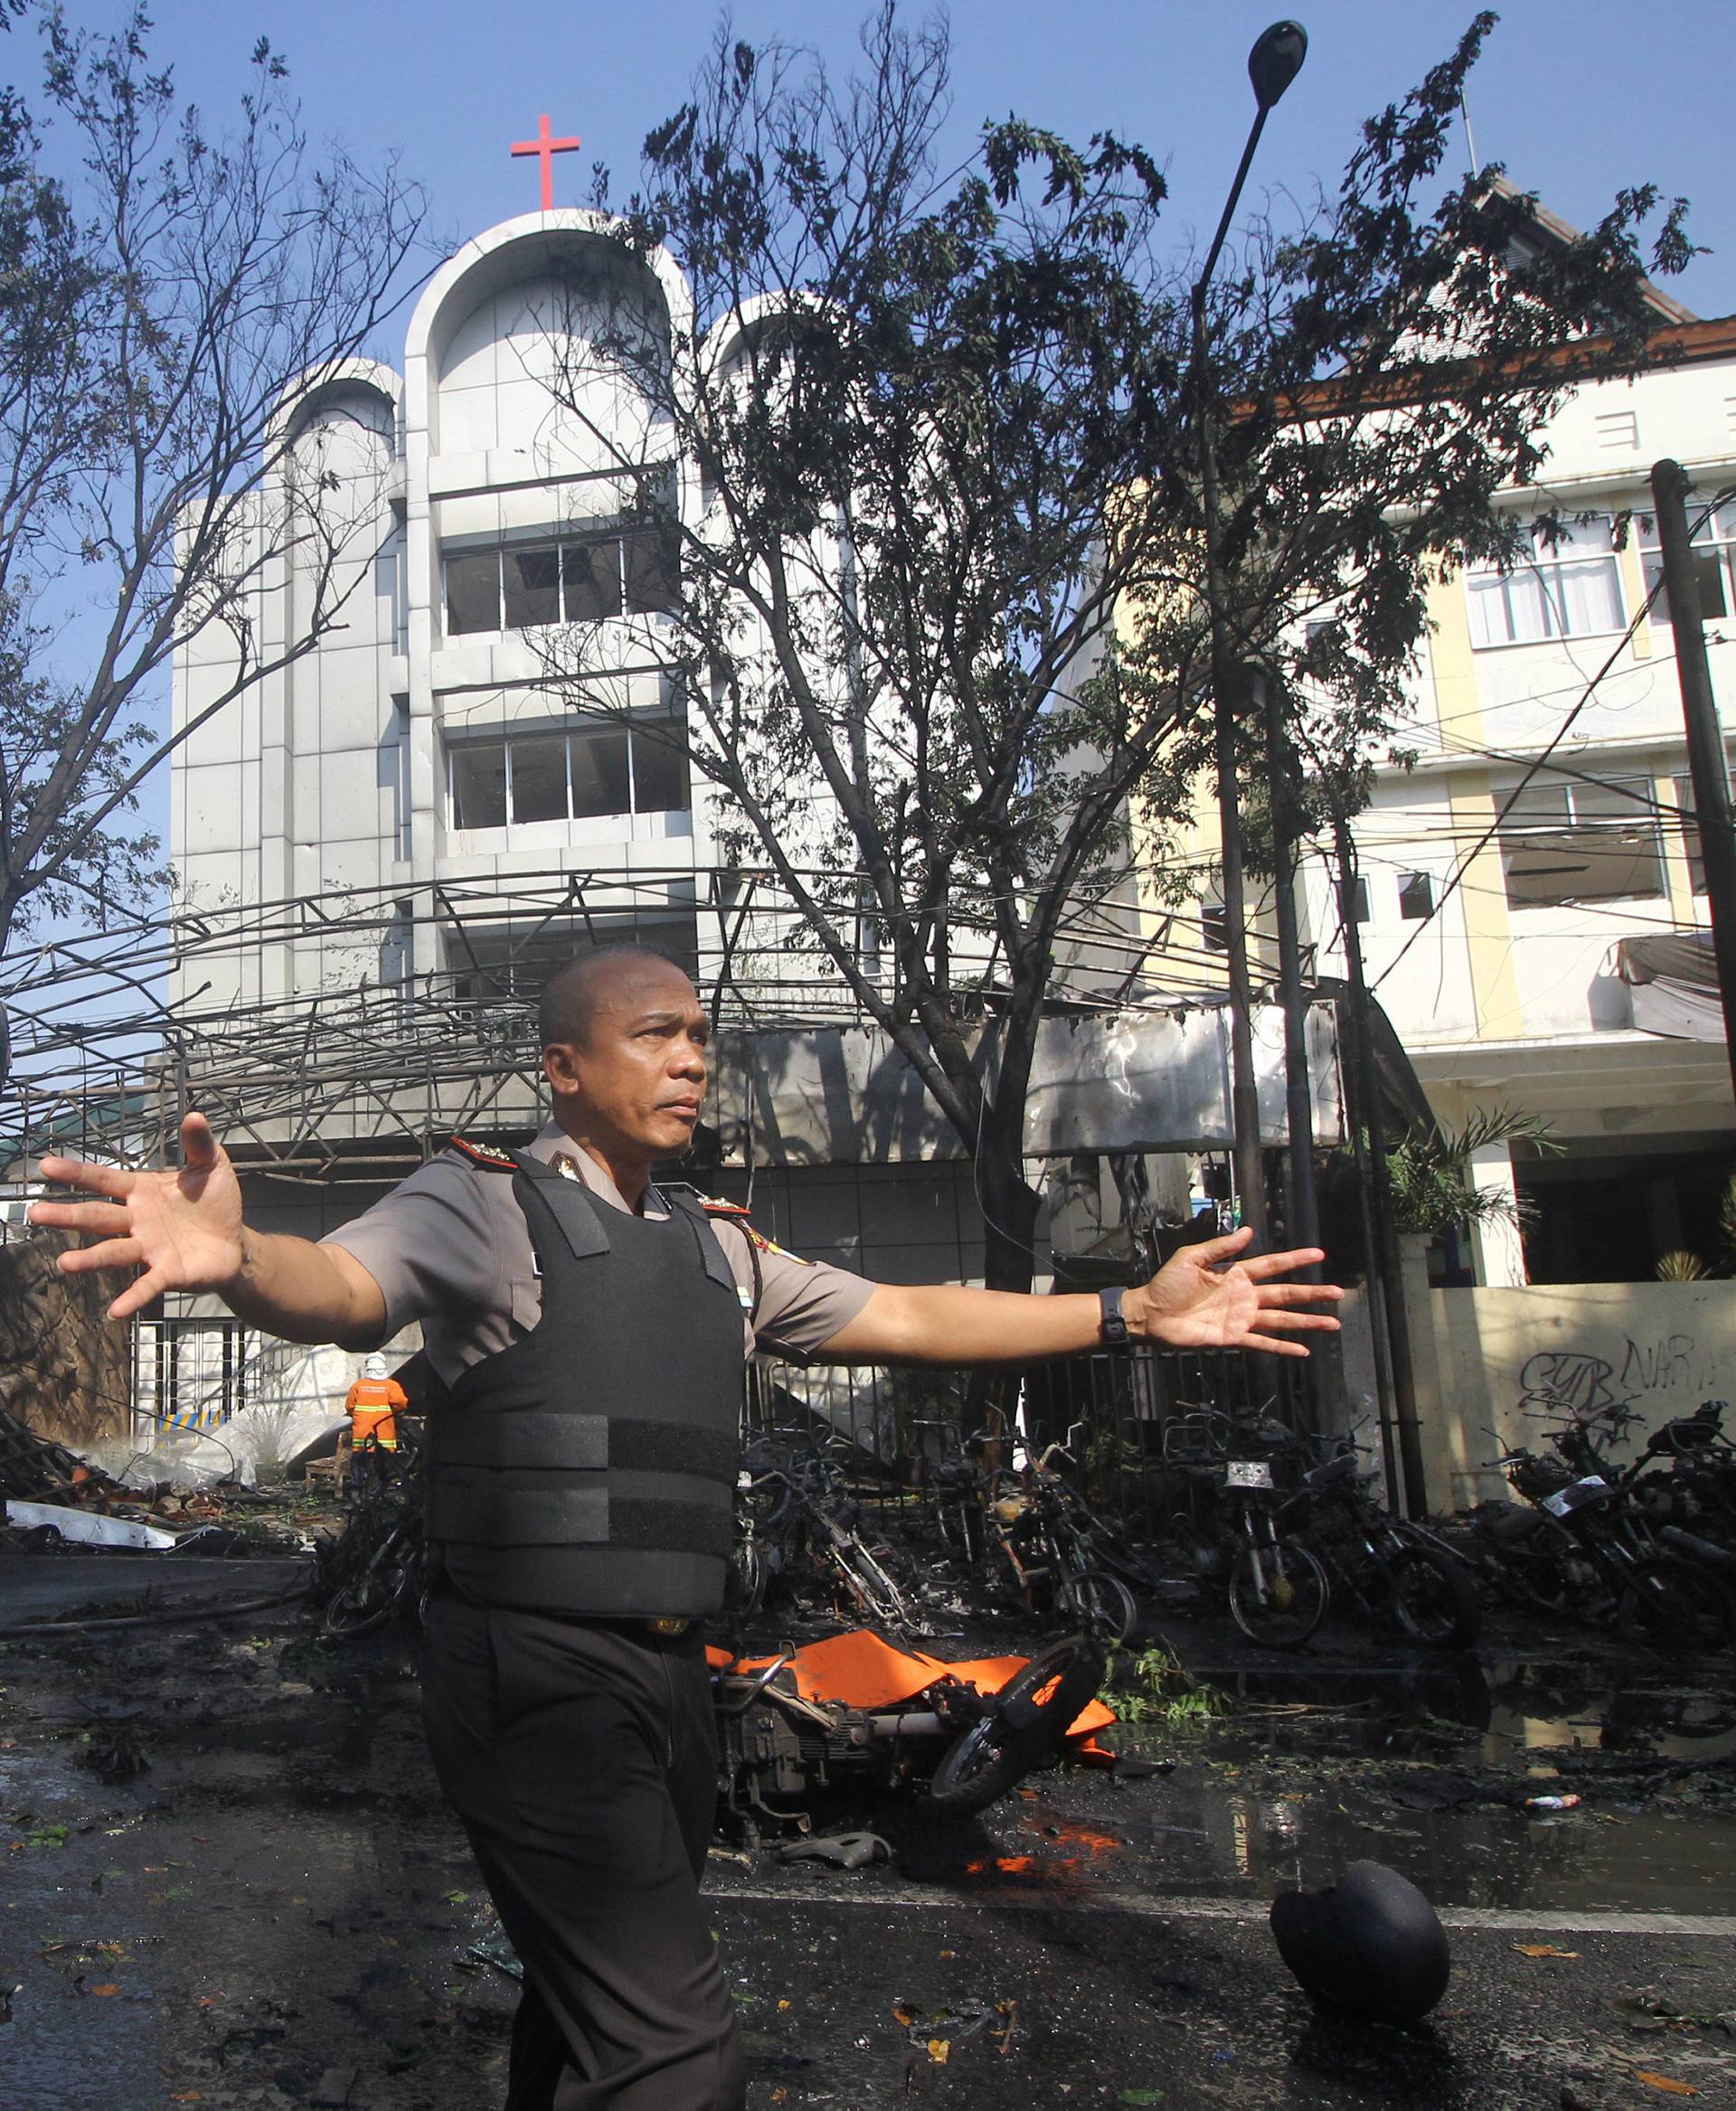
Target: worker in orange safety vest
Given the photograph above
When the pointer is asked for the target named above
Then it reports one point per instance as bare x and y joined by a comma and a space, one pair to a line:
373, 1403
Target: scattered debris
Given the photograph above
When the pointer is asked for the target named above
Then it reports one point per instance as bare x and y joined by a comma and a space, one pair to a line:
839, 1850
87, 1528
498, 1954
1656, 2011
943, 2032
37, 1469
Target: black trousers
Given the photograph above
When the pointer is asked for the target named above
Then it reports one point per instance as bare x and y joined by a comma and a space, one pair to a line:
583, 1763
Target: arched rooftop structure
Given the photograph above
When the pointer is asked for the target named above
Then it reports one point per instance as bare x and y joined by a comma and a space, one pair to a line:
547, 307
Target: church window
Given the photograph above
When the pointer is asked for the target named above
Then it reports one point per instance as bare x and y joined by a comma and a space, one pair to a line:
539, 773
554, 775
479, 785
1567, 589
533, 583
472, 591
580, 579
601, 773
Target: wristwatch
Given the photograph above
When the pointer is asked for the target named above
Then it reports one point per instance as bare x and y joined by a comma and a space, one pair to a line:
1114, 1327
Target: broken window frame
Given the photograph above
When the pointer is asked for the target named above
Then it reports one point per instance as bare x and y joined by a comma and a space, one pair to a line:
1558, 820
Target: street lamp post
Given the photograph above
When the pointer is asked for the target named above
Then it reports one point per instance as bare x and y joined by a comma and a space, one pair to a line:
1272, 64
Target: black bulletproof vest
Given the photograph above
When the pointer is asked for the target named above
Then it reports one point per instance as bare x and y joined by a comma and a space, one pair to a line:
589, 1468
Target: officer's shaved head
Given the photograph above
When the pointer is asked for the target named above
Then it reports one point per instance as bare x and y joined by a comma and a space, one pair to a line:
574, 993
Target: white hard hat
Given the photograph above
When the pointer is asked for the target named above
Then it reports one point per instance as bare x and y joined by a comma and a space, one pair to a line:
375, 1367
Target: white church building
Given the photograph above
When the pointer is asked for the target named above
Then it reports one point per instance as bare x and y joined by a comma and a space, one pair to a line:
419, 745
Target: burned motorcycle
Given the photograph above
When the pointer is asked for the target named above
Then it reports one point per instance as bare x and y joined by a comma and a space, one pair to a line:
1394, 1572
1605, 1564
855, 1709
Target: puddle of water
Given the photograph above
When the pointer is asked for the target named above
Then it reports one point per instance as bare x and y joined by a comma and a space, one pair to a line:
1631, 1844
1481, 1716
1425, 1770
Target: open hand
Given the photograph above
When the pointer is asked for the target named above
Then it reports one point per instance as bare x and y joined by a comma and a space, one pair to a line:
183, 1228
1196, 1301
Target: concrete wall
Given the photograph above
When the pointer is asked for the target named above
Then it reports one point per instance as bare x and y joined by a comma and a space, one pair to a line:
1518, 1360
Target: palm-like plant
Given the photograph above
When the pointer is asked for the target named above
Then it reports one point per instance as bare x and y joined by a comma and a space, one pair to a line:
1433, 1186
1682, 1266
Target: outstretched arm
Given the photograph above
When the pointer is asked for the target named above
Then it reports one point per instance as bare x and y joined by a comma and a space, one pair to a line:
1202, 1297
183, 1231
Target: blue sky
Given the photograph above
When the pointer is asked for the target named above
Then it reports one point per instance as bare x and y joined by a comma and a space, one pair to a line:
1575, 100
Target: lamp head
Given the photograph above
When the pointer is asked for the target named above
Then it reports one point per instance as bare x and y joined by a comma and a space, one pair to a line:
1275, 60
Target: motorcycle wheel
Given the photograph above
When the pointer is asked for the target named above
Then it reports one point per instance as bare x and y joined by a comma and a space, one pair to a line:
368, 1602
1291, 1604
746, 1593
1024, 1729
1101, 1604
879, 1596
1674, 1605
1536, 1579
1434, 1600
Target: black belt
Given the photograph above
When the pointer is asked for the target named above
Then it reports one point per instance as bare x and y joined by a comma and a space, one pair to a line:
635, 1627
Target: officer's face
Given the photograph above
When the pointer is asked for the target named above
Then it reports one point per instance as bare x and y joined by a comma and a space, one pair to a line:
636, 1084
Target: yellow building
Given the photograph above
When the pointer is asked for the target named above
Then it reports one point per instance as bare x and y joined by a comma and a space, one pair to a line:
1546, 820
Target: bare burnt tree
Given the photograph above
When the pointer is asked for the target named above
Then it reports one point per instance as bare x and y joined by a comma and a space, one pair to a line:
171, 301
931, 594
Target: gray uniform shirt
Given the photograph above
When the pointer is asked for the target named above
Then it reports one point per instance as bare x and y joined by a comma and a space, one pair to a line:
450, 1247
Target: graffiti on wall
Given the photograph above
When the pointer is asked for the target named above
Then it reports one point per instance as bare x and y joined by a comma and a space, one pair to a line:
1663, 1369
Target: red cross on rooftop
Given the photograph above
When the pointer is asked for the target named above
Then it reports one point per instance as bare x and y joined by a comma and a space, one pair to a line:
545, 149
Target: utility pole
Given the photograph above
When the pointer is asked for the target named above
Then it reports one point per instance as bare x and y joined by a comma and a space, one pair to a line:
1386, 1261
1707, 767
1324, 1374
1245, 1091
1298, 1090
1273, 63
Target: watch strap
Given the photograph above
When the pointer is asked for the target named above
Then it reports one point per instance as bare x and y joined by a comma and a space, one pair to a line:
1115, 1327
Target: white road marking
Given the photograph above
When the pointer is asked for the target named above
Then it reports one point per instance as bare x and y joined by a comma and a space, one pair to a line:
1515, 1920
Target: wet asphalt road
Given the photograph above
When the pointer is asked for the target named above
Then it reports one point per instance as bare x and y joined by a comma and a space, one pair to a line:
278, 1911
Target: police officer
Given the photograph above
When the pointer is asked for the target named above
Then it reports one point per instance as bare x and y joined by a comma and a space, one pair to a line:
591, 1331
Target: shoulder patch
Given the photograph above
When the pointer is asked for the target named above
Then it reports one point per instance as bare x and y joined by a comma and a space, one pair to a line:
767, 1244
736, 1213
715, 1206
491, 1161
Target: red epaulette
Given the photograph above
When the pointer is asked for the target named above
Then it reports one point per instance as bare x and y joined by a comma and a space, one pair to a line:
715, 1206
737, 1214
480, 1154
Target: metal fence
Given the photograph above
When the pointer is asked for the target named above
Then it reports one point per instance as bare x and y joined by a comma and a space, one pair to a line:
1109, 1411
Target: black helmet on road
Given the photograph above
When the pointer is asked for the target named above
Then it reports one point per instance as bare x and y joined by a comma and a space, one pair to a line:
1372, 1946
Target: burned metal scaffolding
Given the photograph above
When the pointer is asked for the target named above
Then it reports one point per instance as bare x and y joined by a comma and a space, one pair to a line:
117, 1033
